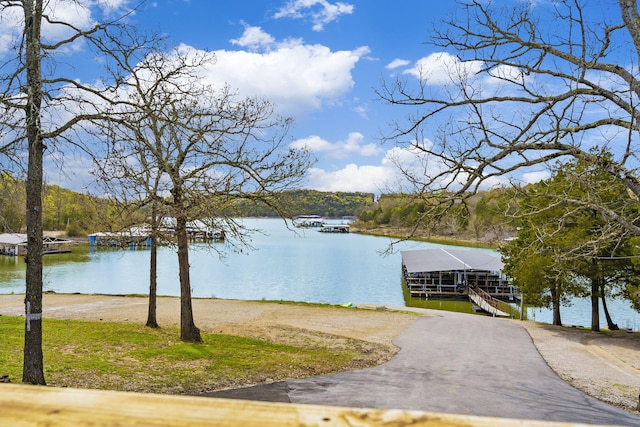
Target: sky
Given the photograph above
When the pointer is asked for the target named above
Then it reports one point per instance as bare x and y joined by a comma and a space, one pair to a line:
319, 61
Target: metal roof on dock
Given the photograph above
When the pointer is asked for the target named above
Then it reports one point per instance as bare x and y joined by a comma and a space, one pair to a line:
21, 239
12, 238
441, 259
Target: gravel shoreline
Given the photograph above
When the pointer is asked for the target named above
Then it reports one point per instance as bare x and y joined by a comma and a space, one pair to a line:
604, 365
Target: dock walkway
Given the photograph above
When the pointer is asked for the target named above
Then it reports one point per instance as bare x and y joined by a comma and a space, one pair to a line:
487, 303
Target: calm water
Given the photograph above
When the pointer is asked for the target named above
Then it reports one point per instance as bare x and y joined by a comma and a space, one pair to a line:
310, 267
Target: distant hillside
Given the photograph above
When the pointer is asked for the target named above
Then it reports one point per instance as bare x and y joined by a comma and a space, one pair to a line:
484, 217
78, 214
311, 202
63, 210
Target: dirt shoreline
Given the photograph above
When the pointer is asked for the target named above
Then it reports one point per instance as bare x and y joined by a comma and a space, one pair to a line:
604, 365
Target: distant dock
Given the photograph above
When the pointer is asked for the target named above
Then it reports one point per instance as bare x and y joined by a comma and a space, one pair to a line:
335, 228
15, 244
308, 221
140, 236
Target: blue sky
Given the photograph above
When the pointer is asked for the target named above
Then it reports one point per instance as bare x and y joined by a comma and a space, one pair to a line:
318, 61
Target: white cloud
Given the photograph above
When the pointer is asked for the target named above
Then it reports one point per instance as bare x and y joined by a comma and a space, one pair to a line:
109, 6
537, 176
421, 167
380, 178
321, 12
507, 72
361, 110
293, 75
494, 182
373, 179
75, 14
79, 14
11, 19
6, 41
442, 68
418, 164
69, 171
254, 38
341, 149
312, 143
396, 63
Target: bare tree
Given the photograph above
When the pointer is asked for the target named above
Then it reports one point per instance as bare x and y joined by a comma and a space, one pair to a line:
130, 176
136, 191
524, 84
41, 104
196, 148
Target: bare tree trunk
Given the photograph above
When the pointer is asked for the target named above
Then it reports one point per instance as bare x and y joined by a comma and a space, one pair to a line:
33, 366
188, 330
595, 308
152, 320
555, 302
612, 326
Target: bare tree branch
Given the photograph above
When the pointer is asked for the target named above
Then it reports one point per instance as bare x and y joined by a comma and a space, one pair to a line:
528, 86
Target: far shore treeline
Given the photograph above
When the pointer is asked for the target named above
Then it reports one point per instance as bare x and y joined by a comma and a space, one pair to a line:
483, 219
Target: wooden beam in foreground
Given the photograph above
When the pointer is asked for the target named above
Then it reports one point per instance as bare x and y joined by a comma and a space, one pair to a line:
24, 405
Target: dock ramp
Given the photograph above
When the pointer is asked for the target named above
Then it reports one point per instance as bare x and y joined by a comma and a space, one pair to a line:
487, 303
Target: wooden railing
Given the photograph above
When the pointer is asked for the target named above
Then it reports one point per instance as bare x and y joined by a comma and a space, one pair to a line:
22, 405
502, 307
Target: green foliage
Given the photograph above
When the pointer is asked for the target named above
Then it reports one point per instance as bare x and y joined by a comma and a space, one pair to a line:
309, 202
64, 210
79, 214
566, 245
485, 217
492, 213
12, 203
393, 210
74, 230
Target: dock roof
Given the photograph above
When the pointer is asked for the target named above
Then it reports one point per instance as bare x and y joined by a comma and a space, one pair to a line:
21, 239
12, 238
440, 259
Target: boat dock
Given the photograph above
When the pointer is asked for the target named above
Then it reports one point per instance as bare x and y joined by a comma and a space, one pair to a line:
335, 228
140, 235
454, 273
15, 244
136, 236
308, 221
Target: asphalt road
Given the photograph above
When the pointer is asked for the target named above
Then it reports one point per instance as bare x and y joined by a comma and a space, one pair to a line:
453, 363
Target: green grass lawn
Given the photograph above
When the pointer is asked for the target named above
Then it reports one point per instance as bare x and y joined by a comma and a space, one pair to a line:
131, 357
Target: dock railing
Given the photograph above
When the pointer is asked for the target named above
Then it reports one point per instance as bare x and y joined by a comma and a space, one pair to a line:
502, 308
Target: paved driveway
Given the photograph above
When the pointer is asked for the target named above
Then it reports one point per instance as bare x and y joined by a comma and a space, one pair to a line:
454, 363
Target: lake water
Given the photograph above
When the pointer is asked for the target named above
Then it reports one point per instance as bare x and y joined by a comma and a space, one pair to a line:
305, 266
